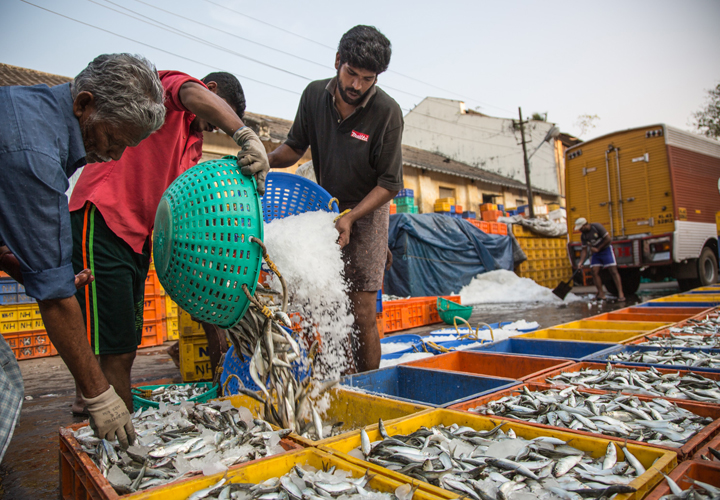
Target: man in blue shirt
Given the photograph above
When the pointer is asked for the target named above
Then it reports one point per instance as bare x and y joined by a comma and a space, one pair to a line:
45, 135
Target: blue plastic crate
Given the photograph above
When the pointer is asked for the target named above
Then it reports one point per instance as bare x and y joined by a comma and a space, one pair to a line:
469, 215
565, 349
428, 387
602, 357
679, 304
25, 299
405, 192
401, 339
8, 298
452, 209
8, 285
501, 208
290, 194
378, 306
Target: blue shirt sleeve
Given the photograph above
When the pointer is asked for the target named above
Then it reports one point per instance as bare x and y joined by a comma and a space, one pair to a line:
35, 221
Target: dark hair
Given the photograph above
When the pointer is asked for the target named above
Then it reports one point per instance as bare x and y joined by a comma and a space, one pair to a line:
229, 88
364, 47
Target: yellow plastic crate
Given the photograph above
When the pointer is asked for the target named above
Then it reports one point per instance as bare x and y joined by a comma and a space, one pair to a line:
655, 460
187, 327
171, 325
25, 311
697, 297
8, 327
25, 325
441, 207
613, 336
8, 313
276, 466
171, 308
194, 359
643, 326
449, 201
355, 409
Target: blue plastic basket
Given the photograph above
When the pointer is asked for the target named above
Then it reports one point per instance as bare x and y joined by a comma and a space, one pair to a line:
403, 339
234, 366
290, 194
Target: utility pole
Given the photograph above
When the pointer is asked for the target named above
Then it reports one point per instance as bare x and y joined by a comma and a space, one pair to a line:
527, 166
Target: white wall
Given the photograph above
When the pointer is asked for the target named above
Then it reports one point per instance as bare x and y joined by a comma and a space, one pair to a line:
441, 126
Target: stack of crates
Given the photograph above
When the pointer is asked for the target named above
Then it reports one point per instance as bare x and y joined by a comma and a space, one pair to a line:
193, 345
20, 322
172, 318
405, 202
548, 263
153, 311
444, 205
489, 212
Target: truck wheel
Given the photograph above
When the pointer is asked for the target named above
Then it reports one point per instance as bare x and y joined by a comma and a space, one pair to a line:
707, 267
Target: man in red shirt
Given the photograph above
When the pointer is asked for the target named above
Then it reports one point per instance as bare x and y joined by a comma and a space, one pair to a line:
113, 209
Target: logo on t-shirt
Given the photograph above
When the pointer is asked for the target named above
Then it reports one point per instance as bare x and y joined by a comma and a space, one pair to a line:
359, 135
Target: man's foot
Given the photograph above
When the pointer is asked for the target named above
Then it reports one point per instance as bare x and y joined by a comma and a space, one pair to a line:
600, 297
620, 299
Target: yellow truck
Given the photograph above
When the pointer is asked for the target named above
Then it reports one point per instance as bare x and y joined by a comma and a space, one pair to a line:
656, 190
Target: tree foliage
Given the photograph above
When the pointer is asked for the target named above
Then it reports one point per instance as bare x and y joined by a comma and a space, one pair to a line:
586, 123
707, 120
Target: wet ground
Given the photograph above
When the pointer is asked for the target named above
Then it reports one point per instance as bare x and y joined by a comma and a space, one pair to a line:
30, 467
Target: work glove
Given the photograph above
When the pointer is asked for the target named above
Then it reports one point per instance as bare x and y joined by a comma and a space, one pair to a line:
109, 418
252, 157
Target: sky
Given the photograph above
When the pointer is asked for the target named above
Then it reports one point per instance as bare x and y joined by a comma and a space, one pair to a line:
631, 63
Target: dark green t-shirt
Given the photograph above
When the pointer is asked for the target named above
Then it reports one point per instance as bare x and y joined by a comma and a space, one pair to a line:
350, 156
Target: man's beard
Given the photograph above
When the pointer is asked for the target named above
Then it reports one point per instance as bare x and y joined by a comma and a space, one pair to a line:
344, 93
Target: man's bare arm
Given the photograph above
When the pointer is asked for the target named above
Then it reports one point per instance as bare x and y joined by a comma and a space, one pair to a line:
284, 156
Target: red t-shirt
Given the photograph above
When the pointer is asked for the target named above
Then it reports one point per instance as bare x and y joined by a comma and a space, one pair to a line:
127, 192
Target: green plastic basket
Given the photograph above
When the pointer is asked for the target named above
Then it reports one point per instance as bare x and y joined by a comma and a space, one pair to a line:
448, 310
202, 241
140, 402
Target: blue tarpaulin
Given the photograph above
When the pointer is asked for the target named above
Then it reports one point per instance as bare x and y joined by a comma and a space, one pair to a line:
437, 255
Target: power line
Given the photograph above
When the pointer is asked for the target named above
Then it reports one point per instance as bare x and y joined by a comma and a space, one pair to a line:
184, 34
334, 48
158, 48
459, 138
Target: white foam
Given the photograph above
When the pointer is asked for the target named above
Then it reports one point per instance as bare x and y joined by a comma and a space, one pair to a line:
305, 250
505, 286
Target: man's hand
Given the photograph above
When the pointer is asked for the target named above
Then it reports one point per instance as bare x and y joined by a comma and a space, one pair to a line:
109, 418
594, 249
10, 264
580, 266
344, 228
252, 157
83, 278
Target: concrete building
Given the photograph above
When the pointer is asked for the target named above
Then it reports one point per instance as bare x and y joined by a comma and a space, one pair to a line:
447, 127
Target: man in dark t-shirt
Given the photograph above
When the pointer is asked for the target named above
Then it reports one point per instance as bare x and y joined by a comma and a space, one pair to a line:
354, 130
597, 239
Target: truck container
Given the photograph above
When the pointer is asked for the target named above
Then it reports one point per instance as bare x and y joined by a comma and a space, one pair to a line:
655, 190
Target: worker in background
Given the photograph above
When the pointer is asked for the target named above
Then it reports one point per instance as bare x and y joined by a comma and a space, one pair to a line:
46, 134
113, 213
597, 239
354, 131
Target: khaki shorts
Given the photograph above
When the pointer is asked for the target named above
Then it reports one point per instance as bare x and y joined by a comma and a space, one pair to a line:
366, 254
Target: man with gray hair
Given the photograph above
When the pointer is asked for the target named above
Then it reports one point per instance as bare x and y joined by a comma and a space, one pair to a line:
45, 135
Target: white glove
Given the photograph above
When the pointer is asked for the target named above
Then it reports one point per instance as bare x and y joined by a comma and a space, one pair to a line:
252, 157
109, 418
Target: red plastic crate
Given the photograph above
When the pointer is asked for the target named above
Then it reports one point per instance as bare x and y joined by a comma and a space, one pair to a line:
481, 225
411, 313
491, 215
501, 228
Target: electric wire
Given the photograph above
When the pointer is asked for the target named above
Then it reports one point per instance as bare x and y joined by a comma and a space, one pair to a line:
335, 48
158, 48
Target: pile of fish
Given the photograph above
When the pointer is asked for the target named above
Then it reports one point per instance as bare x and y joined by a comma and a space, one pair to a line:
172, 394
693, 359
673, 340
698, 491
305, 483
492, 464
174, 442
283, 372
649, 382
713, 455
656, 422
708, 326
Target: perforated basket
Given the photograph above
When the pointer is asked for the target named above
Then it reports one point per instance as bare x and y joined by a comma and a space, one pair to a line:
290, 194
202, 241
448, 310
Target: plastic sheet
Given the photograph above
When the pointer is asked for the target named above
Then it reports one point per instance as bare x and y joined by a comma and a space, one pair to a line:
437, 255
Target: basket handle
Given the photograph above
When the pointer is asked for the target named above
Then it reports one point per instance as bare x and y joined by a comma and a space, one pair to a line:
477, 331
458, 329
274, 269
227, 380
333, 202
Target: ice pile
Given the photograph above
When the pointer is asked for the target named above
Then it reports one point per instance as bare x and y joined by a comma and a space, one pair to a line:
405, 358
501, 286
305, 250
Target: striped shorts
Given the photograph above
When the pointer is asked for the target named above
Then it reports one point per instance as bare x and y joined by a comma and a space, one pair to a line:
112, 305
